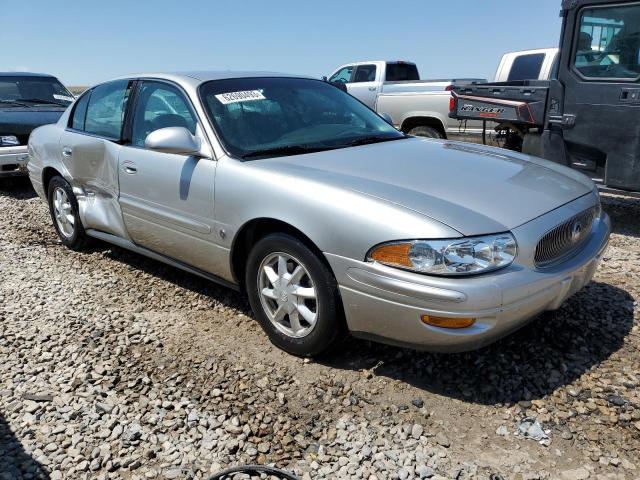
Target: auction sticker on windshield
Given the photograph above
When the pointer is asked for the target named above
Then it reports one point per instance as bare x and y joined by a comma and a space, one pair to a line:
245, 96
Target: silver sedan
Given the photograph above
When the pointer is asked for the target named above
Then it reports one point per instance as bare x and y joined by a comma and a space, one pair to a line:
330, 220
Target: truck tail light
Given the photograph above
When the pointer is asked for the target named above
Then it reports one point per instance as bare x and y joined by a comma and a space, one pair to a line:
452, 104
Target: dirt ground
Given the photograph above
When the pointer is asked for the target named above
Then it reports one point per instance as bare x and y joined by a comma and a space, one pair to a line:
116, 366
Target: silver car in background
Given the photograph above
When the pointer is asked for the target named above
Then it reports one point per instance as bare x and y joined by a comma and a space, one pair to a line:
330, 220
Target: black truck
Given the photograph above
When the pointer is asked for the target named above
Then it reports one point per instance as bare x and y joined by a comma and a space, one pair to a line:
588, 115
27, 101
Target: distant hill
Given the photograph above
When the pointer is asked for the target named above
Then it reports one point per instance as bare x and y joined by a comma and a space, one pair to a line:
76, 90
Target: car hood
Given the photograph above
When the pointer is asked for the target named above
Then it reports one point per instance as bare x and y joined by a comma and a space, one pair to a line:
471, 188
22, 121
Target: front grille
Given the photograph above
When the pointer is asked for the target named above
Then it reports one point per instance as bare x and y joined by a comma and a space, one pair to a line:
565, 239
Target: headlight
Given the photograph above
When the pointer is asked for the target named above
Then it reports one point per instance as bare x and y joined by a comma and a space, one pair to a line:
462, 256
9, 141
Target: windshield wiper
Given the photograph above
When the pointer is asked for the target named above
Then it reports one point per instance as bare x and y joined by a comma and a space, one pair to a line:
42, 100
15, 102
373, 139
285, 150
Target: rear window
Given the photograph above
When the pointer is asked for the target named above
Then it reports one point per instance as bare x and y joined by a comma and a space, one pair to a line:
397, 72
526, 67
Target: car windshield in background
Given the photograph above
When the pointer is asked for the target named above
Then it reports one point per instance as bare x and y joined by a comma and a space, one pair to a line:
28, 90
274, 116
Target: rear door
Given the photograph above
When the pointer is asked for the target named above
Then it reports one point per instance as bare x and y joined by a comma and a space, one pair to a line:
600, 72
364, 84
90, 146
167, 199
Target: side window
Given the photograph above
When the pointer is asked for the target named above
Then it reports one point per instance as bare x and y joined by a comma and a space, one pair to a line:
105, 111
160, 105
608, 43
80, 112
401, 71
526, 67
365, 73
343, 75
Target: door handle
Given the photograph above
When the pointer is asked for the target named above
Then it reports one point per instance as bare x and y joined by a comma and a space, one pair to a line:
130, 170
67, 152
372, 89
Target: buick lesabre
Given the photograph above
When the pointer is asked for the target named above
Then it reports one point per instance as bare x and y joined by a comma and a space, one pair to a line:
329, 219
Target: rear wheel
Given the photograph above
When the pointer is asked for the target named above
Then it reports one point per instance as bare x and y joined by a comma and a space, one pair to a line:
63, 207
424, 131
294, 296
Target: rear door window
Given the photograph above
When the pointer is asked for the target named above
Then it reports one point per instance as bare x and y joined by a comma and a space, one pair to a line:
343, 75
398, 72
80, 112
365, 73
105, 111
608, 43
526, 67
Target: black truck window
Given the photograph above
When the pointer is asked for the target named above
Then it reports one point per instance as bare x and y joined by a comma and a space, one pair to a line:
397, 72
526, 67
608, 43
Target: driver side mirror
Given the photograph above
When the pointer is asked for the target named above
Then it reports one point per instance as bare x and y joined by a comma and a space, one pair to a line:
176, 140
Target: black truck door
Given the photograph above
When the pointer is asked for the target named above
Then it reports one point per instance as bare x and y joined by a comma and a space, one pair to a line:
600, 72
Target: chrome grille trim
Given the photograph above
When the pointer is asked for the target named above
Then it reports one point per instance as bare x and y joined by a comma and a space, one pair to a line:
563, 241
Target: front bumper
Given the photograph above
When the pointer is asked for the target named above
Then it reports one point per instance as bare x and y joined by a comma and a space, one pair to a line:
13, 161
385, 304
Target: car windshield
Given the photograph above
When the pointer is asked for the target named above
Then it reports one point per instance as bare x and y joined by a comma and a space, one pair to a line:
31, 90
274, 116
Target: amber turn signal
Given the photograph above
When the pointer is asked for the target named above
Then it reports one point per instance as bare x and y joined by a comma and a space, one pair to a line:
446, 322
394, 254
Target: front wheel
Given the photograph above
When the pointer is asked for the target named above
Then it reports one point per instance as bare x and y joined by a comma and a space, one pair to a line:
294, 296
63, 207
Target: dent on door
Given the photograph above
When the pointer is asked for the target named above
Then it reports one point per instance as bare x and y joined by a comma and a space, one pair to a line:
93, 166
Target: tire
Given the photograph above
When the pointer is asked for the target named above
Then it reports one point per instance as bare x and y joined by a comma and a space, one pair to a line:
69, 226
294, 333
424, 131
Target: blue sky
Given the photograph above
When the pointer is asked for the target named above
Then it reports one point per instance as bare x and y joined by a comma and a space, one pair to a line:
83, 42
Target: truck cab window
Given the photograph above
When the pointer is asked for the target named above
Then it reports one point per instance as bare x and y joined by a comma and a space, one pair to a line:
365, 73
526, 67
398, 72
608, 43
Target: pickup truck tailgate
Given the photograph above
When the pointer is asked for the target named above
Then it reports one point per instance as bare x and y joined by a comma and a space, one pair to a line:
521, 102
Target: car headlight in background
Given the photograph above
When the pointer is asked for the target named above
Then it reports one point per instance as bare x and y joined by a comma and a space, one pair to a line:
461, 256
9, 141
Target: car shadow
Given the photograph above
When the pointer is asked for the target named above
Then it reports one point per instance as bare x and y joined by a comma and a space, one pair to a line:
553, 350
17, 187
15, 463
624, 213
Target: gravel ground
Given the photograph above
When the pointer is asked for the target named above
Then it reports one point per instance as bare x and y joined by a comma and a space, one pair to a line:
115, 366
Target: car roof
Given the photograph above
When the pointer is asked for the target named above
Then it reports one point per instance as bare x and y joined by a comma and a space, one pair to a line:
25, 74
195, 78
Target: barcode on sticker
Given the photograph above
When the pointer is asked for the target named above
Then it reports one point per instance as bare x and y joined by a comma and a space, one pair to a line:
245, 96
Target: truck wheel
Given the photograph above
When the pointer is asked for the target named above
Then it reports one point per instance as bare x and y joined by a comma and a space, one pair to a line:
424, 131
294, 296
63, 207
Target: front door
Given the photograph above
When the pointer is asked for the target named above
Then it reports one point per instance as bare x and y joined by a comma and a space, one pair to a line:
600, 72
167, 199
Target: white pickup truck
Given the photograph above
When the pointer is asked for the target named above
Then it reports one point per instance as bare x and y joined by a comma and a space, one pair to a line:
418, 107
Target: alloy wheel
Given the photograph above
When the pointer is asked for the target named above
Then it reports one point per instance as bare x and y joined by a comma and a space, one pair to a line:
288, 294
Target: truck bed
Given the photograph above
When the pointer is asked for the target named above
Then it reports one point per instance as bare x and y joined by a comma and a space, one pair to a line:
418, 86
522, 102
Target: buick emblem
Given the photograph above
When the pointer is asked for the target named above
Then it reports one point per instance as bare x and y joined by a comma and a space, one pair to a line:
576, 231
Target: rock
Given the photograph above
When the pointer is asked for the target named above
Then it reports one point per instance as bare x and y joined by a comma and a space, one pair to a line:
417, 402
577, 474
442, 440
416, 431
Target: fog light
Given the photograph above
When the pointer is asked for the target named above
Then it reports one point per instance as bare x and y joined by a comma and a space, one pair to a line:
446, 322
